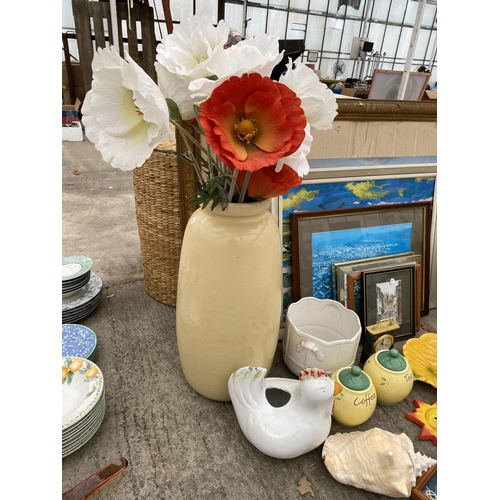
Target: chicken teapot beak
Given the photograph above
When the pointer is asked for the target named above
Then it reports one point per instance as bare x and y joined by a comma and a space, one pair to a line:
337, 388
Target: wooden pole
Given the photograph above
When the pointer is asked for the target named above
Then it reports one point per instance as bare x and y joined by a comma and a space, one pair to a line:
168, 15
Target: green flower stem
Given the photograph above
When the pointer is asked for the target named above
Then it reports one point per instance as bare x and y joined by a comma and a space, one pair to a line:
191, 155
171, 152
212, 164
244, 187
233, 184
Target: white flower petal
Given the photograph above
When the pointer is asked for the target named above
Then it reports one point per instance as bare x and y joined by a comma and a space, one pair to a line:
254, 55
298, 160
186, 51
124, 113
126, 152
318, 101
177, 89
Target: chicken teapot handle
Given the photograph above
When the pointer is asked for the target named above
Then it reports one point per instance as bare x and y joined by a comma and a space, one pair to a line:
311, 346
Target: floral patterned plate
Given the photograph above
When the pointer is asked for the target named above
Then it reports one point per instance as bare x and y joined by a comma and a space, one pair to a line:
92, 289
82, 386
77, 315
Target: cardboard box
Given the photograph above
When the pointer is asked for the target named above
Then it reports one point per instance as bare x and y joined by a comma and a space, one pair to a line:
430, 95
70, 112
349, 92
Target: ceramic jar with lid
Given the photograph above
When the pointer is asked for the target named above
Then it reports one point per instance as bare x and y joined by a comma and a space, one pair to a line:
391, 375
357, 401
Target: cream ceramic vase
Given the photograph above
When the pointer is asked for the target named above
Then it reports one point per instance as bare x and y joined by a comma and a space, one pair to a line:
229, 294
391, 375
357, 400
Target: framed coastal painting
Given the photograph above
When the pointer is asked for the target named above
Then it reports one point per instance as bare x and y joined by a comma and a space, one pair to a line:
319, 239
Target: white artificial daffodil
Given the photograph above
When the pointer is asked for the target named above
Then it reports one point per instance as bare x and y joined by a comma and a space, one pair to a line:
298, 159
124, 113
318, 101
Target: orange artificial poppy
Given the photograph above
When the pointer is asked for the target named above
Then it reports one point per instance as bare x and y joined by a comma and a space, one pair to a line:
252, 121
267, 183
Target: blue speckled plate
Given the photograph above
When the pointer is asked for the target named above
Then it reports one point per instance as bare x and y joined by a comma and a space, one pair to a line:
78, 340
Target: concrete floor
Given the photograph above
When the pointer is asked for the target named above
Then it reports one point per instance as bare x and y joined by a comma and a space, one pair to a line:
179, 445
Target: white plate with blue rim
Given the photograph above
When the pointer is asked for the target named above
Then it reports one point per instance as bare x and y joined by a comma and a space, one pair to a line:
78, 340
75, 266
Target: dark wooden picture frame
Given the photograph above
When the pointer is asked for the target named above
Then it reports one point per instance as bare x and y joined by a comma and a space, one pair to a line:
312, 57
378, 285
304, 223
355, 279
427, 479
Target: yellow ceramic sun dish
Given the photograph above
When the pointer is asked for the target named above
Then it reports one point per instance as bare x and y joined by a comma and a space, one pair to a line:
421, 354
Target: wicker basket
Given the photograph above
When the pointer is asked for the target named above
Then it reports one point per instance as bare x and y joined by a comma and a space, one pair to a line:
163, 187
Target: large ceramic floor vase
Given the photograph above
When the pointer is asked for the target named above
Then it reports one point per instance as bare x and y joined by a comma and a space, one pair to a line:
229, 295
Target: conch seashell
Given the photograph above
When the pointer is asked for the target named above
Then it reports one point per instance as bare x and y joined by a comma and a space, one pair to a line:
375, 460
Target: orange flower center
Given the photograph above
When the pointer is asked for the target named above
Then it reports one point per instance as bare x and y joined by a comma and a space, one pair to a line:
137, 110
245, 129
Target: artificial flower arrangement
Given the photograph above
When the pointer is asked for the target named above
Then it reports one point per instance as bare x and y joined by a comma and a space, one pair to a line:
256, 130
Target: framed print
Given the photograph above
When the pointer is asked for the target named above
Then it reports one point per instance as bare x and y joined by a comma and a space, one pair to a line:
342, 269
312, 56
355, 294
426, 486
354, 234
390, 293
385, 85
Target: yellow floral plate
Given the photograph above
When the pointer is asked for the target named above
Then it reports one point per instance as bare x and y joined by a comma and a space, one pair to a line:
82, 387
421, 354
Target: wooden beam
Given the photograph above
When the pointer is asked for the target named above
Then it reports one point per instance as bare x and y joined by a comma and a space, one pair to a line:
168, 16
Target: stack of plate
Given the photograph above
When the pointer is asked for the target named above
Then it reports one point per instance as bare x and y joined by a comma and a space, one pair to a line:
75, 272
83, 404
81, 288
78, 340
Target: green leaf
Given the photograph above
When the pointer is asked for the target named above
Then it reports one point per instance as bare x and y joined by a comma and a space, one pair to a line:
173, 109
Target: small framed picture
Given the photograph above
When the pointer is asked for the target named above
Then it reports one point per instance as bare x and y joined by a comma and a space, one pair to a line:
341, 270
312, 56
390, 293
355, 294
426, 486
